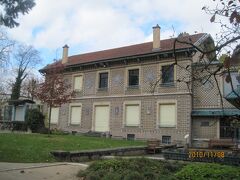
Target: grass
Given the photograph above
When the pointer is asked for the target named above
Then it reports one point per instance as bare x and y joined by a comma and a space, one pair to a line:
37, 147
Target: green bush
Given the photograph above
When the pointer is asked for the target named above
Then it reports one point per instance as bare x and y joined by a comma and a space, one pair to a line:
35, 120
19, 126
202, 171
138, 168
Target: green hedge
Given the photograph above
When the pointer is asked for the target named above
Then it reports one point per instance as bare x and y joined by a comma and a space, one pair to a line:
131, 169
35, 120
202, 171
146, 169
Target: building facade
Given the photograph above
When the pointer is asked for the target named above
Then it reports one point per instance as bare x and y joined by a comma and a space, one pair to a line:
139, 92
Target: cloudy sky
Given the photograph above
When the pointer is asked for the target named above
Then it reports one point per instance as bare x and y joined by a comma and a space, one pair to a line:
96, 25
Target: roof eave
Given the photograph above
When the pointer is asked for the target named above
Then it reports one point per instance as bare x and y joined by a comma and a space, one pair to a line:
154, 53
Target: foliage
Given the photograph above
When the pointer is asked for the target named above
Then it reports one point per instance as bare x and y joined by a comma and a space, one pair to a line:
37, 147
29, 86
19, 126
35, 120
55, 91
147, 169
204, 171
26, 57
140, 168
58, 132
10, 9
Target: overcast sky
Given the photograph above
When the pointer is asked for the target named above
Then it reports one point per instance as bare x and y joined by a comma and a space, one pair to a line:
90, 25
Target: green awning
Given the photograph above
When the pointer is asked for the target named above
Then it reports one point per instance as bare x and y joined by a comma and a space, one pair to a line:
216, 112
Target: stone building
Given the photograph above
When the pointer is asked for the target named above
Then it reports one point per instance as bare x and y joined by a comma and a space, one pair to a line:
138, 92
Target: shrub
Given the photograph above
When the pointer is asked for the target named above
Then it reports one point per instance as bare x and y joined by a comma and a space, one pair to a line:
56, 131
138, 168
35, 120
19, 126
133, 175
204, 171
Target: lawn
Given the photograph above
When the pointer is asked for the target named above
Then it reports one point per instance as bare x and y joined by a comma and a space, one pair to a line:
37, 147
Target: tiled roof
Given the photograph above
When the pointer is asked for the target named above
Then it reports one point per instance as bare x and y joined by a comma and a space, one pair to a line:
127, 51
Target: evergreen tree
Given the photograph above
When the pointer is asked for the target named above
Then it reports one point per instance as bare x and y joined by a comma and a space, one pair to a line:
10, 10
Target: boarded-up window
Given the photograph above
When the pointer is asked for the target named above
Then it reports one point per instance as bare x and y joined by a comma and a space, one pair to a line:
78, 81
54, 115
132, 114
76, 113
19, 116
167, 115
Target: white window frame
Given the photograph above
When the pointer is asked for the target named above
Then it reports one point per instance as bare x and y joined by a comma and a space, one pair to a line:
70, 113
166, 102
51, 115
174, 71
129, 103
73, 82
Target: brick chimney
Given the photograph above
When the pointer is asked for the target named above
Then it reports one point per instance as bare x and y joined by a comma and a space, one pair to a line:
156, 37
65, 54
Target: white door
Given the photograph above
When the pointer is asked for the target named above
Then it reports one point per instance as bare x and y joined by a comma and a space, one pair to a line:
101, 118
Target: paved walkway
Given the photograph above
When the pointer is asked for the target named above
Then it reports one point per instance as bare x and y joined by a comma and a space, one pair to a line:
40, 171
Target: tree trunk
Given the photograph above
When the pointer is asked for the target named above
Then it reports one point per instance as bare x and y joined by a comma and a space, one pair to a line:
49, 120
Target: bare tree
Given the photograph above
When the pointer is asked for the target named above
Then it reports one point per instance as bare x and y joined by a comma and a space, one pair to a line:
25, 58
6, 46
227, 15
30, 85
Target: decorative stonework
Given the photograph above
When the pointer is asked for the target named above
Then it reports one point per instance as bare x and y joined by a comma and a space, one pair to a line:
117, 79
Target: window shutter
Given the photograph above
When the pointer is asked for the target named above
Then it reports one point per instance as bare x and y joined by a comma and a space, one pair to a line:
167, 115
132, 115
102, 118
54, 114
76, 113
19, 113
78, 80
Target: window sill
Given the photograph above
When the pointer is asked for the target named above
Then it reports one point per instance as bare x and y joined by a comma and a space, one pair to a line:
74, 124
102, 89
137, 126
168, 85
133, 87
167, 126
